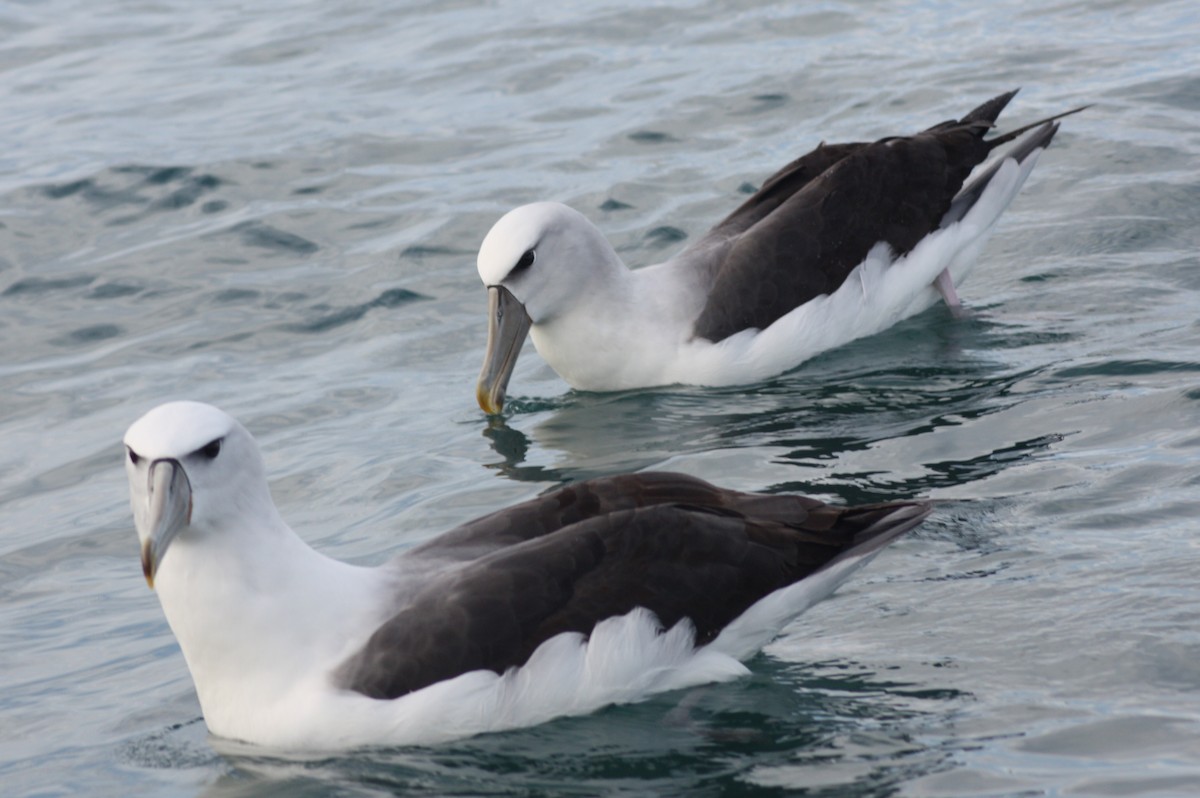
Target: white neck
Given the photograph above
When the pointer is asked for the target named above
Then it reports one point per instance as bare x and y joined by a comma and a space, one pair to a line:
254, 609
591, 344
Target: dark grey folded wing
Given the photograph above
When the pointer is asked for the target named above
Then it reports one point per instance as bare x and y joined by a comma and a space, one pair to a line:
780, 186
571, 504
894, 191
789, 180
812, 223
704, 563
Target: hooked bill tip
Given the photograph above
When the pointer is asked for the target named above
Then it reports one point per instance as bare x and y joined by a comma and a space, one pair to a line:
492, 405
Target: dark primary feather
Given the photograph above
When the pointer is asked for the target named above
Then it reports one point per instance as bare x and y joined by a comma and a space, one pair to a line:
816, 219
670, 543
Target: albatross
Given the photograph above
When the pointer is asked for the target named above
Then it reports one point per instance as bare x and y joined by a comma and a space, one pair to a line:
605, 591
841, 243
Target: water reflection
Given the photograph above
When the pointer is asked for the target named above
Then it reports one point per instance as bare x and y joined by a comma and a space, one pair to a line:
892, 417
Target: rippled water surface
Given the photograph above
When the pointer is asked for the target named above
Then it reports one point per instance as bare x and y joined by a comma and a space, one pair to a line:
275, 207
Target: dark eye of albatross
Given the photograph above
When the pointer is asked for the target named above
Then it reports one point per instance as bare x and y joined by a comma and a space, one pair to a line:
525, 262
134, 457
211, 450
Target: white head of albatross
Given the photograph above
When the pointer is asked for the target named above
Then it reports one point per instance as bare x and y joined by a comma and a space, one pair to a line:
176, 482
601, 592
841, 243
546, 266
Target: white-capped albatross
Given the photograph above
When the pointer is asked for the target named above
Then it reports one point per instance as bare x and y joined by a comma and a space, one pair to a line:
601, 592
841, 243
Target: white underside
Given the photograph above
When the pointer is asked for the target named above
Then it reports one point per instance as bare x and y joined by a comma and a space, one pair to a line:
660, 349
625, 659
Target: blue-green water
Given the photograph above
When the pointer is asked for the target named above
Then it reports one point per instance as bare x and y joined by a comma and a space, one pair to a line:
274, 207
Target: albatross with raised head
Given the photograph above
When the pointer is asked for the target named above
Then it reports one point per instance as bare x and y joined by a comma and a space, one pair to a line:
841, 243
601, 592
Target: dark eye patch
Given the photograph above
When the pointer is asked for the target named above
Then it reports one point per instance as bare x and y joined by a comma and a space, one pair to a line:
134, 457
210, 450
525, 262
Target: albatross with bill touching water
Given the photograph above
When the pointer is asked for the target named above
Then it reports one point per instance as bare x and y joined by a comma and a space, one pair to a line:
839, 244
602, 592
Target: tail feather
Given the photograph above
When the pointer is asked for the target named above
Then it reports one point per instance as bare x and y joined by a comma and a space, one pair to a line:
984, 118
1012, 134
981, 119
990, 111
970, 193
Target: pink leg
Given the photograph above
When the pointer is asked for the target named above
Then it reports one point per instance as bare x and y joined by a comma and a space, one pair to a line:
945, 285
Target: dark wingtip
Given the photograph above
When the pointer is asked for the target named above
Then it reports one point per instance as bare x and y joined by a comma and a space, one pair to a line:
970, 194
1050, 123
890, 522
989, 112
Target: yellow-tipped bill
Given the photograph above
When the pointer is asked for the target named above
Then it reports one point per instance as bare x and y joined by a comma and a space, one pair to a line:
508, 324
168, 510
